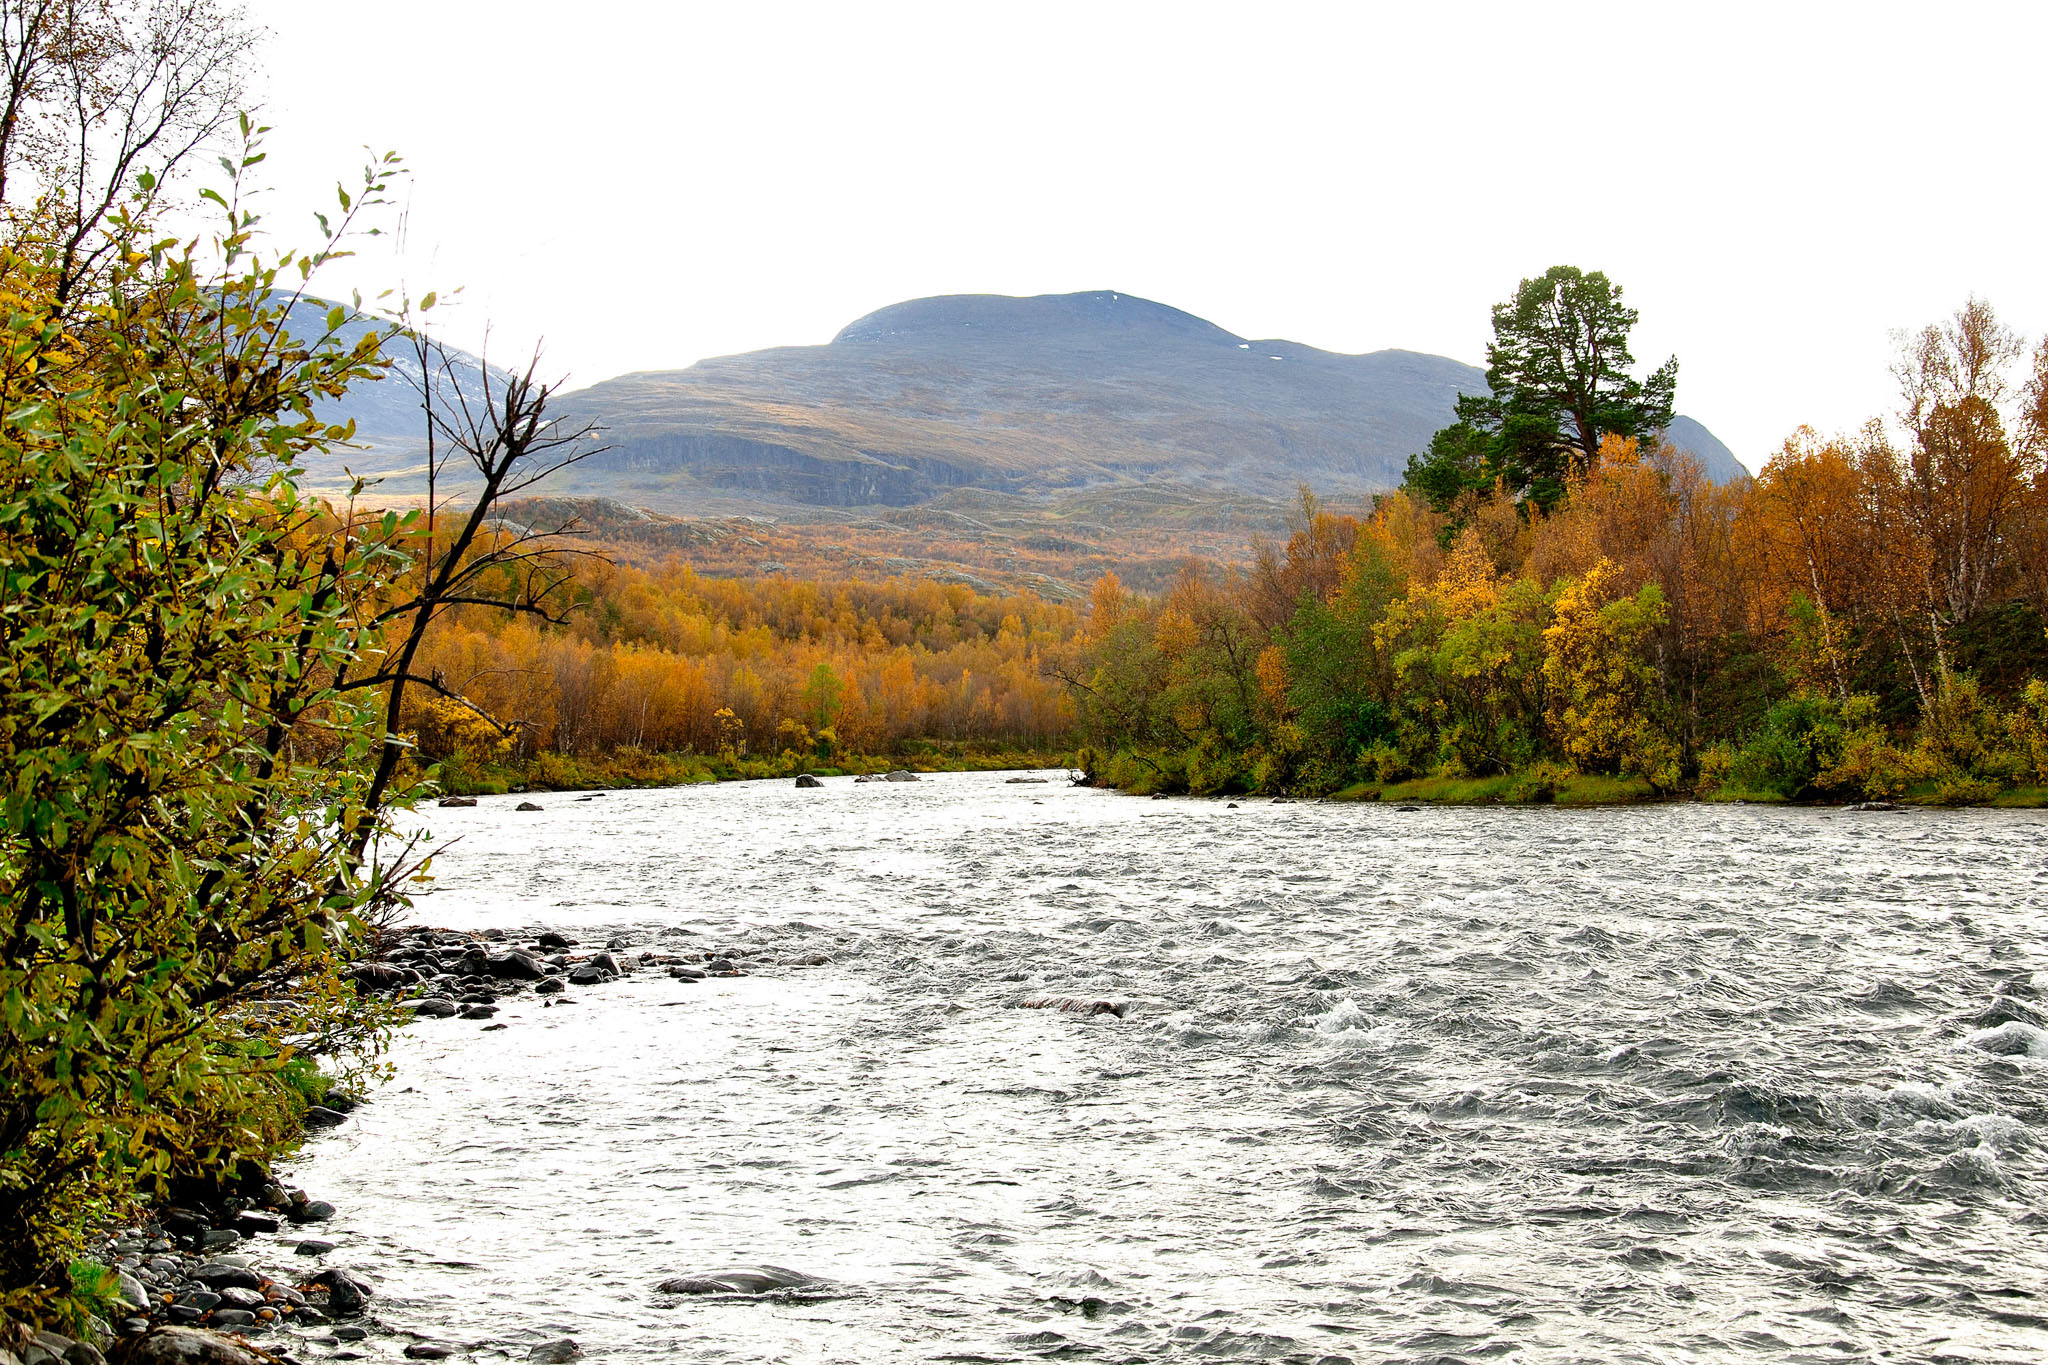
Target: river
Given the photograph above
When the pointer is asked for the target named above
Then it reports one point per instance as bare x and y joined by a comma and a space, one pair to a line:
1659, 1083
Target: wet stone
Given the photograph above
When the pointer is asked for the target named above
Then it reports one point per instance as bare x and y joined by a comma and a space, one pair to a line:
313, 1246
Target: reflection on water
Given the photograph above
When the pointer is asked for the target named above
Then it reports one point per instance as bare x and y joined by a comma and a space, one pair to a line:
1666, 1083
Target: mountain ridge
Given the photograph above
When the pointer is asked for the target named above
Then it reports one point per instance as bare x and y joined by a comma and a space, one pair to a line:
1036, 396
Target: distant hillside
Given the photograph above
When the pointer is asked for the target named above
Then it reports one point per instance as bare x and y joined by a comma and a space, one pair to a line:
1034, 397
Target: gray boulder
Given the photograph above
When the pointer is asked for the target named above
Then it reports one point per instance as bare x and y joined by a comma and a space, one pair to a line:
528, 805
807, 780
901, 775
434, 1007
451, 802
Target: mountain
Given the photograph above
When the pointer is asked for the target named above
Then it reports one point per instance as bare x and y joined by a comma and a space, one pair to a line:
1034, 397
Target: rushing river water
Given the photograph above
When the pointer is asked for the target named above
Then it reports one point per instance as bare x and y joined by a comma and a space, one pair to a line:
1658, 1084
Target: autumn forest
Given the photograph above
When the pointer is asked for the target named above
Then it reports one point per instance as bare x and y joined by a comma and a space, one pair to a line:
1581, 615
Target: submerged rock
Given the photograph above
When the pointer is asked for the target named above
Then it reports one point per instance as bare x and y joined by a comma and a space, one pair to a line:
1077, 1005
555, 1352
760, 1279
528, 805
452, 802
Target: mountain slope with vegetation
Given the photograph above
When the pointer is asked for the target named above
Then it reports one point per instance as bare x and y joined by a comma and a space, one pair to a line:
1037, 397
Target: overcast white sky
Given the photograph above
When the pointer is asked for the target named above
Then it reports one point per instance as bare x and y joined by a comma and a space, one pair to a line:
1776, 186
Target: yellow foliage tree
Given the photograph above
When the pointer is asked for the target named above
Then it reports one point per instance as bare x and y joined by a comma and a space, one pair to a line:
1600, 690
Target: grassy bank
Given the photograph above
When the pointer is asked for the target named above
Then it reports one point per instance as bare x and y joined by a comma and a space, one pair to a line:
1515, 789
638, 768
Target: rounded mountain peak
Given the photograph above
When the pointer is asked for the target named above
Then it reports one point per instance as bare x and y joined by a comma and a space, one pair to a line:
1097, 313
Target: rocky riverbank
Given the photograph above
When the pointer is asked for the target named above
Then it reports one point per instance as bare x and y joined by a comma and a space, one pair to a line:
239, 1277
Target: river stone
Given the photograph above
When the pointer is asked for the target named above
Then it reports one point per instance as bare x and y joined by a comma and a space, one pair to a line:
320, 1116
48, 1348
759, 1279
233, 1317
131, 1292
552, 986
478, 1011
900, 775
187, 1346
313, 1246
379, 976
806, 780
218, 1239
516, 965
249, 1224
528, 805
346, 1295
555, 1352
218, 1275
429, 1350
199, 1300
312, 1211
453, 802
551, 939
434, 1007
